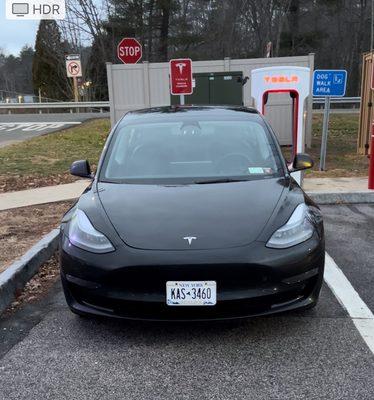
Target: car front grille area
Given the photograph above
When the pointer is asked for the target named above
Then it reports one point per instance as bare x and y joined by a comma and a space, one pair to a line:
153, 279
158, 310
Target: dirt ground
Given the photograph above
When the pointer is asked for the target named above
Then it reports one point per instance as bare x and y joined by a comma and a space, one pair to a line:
20, 228
37, 287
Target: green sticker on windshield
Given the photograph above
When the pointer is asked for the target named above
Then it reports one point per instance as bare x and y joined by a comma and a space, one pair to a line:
255, 170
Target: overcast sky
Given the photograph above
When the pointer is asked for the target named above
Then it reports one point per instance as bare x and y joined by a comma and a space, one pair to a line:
15, 34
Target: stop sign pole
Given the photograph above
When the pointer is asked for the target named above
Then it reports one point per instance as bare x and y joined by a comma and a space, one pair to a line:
129, 51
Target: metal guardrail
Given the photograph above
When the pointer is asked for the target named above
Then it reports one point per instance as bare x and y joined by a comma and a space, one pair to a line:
338, 105
101, 105
93, 105
338, 100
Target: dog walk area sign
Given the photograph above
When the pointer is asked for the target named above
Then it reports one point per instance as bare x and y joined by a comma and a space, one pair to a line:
329, 82
35, 9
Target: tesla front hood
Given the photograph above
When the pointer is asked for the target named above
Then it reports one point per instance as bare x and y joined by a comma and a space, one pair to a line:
208, 216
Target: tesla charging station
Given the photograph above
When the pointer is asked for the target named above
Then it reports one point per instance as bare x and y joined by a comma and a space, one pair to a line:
287, 79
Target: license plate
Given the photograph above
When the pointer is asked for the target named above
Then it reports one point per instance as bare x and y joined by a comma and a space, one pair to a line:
191, 293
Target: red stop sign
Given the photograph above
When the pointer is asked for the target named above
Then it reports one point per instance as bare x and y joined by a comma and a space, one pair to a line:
129, 51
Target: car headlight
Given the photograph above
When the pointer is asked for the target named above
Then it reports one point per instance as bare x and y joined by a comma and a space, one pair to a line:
83, 235
298, 229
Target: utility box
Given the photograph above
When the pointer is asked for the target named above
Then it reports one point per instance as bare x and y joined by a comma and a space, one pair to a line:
216, 88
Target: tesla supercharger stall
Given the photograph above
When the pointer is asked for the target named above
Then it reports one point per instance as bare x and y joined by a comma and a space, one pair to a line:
288, 79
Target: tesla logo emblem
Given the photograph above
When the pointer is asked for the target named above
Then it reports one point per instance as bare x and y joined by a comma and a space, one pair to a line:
190, 239
180, 67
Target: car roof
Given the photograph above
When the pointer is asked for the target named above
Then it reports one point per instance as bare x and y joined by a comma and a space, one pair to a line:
175, 113
191, 108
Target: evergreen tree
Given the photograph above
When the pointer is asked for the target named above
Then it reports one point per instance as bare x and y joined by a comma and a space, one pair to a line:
24, 71
48, 69
15, 73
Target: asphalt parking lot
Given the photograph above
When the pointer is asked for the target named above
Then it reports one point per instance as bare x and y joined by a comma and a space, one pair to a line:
48, 353
19, 127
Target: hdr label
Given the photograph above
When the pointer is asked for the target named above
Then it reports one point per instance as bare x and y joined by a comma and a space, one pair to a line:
35, 9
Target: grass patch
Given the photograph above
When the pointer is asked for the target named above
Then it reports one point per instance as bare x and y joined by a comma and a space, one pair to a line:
45, 160
342, 158
53, 153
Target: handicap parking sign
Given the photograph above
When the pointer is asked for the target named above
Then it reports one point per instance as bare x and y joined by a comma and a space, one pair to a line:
329, 82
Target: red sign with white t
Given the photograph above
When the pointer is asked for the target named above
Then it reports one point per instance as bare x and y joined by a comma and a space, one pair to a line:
181, 76
129, 51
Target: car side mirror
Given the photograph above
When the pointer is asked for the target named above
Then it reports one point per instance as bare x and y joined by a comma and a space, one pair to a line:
81, 168
301, 161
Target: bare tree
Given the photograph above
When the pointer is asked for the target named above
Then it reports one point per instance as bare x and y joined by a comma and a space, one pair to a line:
84, 22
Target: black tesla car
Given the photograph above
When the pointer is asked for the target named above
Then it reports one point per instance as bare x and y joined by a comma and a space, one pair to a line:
192, 214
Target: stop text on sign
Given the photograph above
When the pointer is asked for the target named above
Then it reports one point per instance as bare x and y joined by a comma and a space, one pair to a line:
129, 51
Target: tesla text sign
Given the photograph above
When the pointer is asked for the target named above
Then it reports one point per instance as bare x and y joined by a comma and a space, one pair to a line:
73, 66
35, 9
329, 82
129, 51
181, 76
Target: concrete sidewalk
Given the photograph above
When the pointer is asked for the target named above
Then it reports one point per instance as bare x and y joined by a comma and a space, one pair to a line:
48, 194
339, 190
322, 190
336, 185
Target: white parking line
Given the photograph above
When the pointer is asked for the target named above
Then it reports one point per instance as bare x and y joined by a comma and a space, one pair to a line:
347, 296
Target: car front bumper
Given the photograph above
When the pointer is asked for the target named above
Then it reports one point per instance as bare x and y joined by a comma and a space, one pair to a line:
251, 280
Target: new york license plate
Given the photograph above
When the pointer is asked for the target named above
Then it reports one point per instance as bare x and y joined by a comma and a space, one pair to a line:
191, 293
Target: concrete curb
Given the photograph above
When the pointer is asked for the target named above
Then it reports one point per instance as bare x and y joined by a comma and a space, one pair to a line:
342, 197
14, 278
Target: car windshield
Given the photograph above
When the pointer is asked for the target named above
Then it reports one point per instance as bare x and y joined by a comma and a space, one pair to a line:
190, 150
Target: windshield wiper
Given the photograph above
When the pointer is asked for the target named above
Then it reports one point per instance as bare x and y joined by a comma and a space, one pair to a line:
220, 180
